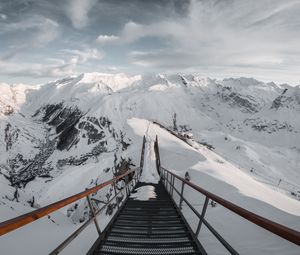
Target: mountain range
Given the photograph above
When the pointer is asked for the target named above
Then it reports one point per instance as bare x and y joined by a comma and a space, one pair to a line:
61, 137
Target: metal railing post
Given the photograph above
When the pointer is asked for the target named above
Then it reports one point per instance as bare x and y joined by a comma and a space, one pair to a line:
134, 180
161, 173
170, 183
115, 189
173, 183
142, 153
202, 215
156, 150
137, 176
181, 195
167, 180
93, 214
126, 186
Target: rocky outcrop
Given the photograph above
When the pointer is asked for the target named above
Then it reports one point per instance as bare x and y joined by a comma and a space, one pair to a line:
262, 125
71, 126
288, 99
245, 103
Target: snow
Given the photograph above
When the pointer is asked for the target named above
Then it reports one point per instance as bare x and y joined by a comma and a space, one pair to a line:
257, 170
115, 81
149, 173
64, 186
144, 193
13, 95
217, 175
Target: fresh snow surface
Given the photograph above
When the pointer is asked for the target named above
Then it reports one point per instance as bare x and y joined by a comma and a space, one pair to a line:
217, 175
149, 173
144, 193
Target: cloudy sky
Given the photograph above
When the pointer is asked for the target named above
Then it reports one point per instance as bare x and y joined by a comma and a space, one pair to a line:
42, 40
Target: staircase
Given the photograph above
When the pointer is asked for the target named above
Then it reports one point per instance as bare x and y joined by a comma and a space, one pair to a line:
149, 227
155, 226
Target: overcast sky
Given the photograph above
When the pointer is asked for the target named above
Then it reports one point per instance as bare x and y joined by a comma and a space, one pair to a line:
42, 40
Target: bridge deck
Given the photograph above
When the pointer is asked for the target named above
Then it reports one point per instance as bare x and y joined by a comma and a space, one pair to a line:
148, 227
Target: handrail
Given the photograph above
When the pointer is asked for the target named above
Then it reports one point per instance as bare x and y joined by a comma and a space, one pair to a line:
276, 228
95, 213
142, 153
17, 222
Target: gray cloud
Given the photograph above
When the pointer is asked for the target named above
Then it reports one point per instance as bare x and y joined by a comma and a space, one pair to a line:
36, 70
105, 39
224, 35
78, 11
82, 56
233, 37
53, 67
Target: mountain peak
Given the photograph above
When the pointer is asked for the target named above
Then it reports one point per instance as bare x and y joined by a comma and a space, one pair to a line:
114, 81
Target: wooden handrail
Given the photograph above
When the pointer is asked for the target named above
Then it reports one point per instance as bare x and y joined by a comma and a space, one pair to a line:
15, 223
277, 229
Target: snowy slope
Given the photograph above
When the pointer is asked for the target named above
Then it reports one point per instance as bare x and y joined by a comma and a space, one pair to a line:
61, 137
214, 173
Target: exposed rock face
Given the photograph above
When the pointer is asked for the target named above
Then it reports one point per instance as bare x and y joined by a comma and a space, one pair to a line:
7, 110
11, 135
64, 120
245, 103
24, 171
64, 127
278, 101
269, 126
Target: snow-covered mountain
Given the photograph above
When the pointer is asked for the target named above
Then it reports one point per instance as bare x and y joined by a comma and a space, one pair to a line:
61, 137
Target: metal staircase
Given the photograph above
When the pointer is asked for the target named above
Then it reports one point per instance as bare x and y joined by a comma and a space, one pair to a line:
155, 226
149, 227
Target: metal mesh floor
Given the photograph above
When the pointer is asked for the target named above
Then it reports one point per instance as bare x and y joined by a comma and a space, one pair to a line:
148, 227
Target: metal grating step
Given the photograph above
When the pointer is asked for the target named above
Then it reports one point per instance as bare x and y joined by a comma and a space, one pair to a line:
148, 240
142, 222
152, 236
147, 245
148, 227
146, 231
157, 251
149, 230
150, 207
150, 214
152, 224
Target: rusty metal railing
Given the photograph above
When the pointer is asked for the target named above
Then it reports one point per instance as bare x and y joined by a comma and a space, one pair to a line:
277, 229
168, 179
15, 223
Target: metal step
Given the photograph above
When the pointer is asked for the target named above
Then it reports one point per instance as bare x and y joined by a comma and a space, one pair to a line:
148, 240
152, 236
148, 227
155, 251
153, 224
146, 231
143, 222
